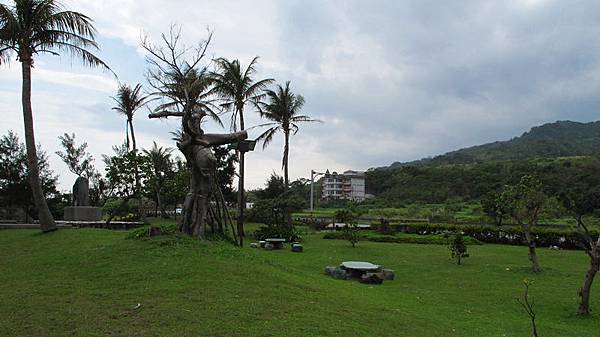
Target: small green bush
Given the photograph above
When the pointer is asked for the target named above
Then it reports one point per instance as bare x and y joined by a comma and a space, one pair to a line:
152, 230
457, 247
277, 231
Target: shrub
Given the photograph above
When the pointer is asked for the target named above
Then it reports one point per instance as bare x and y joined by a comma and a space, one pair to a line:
317, 224
350, 231
457, 247
384, 227
544, 237
127, 212
152, 230
277, 231
351, 234
406, 238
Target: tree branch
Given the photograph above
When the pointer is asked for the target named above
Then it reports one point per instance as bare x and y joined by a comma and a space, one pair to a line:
164, 114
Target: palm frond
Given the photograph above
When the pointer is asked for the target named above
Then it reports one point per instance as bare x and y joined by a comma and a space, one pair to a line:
75, 22
84, 55
267, 136
44, 26
302, 118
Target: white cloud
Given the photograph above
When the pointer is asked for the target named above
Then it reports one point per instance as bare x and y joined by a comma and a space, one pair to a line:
393, 80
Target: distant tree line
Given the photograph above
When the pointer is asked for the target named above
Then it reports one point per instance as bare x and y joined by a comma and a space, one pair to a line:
471, 182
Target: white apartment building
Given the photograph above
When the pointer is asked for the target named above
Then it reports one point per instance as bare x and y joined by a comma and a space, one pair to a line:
348, 185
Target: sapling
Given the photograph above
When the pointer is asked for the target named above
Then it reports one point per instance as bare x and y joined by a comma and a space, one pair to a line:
527, 304
458, 247
347, 217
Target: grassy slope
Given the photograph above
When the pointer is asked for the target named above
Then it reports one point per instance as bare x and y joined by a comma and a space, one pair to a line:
86, 283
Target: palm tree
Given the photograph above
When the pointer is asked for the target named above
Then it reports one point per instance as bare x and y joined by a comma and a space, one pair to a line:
282, 109
236, 88
32, 27
129, 100
160, 160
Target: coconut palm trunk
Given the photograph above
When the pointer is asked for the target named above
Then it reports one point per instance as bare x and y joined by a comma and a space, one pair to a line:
241, 199
286, 179
34, 27
45, 217
130, 122
286, 154
160, 205
138, 186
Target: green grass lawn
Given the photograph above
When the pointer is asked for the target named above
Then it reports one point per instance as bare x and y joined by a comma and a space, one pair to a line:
88, 282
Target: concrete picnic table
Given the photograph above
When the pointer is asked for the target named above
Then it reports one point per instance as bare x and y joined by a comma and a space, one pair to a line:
277, 243
356, 269
364, 272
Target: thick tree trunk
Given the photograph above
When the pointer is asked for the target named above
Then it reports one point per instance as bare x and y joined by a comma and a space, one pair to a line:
584, 292
535, 262
202, 163
194, 221
47, 223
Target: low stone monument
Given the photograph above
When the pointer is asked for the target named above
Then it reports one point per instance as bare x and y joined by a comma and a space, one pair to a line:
81, 209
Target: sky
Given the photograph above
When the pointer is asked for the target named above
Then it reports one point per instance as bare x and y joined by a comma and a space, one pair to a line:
390, 80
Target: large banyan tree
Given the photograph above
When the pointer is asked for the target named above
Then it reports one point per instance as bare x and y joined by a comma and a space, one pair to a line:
179, 76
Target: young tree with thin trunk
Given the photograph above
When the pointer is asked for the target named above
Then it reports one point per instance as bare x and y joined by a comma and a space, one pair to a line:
528, 305
524, 202
236, 88
77, 159
582, 203
30, 28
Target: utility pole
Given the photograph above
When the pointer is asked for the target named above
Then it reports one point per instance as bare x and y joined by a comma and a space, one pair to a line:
313, 175
242, 147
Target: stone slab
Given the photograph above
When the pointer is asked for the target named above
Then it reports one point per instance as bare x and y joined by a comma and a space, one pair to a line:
358, 265
83, 213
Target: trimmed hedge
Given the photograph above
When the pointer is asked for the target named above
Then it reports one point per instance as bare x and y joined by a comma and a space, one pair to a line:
418, 239
544, 237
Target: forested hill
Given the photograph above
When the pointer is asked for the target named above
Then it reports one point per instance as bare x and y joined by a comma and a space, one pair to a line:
470, 182
559, 139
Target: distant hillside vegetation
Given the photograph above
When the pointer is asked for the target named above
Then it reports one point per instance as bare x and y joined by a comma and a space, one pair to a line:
553, 140
470, 182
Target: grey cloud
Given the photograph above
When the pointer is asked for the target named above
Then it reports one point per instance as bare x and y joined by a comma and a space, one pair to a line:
393, 80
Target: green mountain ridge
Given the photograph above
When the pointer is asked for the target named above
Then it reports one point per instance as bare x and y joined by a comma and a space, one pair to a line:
552, 140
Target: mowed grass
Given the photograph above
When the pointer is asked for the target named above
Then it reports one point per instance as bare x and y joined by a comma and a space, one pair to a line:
88, 283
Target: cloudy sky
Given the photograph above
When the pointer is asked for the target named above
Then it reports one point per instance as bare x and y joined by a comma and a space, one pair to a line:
392, 80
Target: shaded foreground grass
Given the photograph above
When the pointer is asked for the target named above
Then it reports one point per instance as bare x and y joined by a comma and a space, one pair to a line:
88, 282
